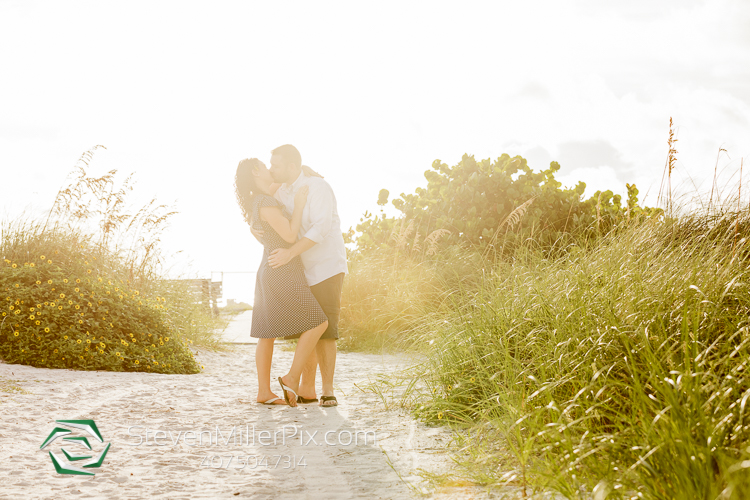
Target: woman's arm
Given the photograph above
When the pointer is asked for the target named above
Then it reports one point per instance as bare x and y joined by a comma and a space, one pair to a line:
288, 230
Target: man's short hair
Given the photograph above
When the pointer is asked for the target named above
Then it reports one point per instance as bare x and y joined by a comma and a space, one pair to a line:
289, 154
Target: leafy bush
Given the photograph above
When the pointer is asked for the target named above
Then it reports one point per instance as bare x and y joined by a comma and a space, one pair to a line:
58, 315
73, 297
476, 203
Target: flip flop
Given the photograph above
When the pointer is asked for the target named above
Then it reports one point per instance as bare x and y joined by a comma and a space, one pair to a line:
304, 400
271, 402
323, 399
285, 388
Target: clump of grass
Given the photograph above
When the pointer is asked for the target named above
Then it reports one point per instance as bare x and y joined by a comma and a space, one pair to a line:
389, 295
72, 296
621, 369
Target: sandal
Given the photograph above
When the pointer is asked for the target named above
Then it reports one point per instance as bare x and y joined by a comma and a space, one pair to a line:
270, 402
285, 388
323, 399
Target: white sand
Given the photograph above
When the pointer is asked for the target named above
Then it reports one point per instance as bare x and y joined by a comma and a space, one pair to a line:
224, 396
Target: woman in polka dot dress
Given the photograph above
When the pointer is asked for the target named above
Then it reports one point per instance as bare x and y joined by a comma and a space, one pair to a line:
284, 305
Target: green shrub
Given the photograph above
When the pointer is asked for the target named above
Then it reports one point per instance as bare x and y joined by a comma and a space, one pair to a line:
69, 315
73, 297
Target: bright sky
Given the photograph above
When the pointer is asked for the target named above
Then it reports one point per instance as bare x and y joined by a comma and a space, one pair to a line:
370, 93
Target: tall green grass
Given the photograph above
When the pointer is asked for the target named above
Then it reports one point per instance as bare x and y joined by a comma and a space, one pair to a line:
616, 371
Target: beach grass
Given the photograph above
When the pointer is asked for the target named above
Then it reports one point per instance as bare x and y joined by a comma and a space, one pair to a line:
616, 370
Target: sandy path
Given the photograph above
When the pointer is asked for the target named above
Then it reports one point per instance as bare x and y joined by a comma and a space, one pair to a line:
224, 396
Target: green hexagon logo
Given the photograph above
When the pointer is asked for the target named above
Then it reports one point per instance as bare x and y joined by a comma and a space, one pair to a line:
64, 429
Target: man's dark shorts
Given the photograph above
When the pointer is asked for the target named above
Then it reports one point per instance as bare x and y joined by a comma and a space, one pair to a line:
328, 295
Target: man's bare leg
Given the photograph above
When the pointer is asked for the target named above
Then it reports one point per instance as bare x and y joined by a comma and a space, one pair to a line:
307, 382
326, 350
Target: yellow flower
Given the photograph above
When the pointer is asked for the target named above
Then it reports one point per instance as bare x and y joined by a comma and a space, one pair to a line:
12, 307
88, 271
120, 296
440, 415
15, 265
62, 295
100, 279
31, 309
15, 333
17, 311
77, 289
42, 257
32, 265
136, 362
49, 261
109, 282
65, 337
4, 313
77, 306
117, 353
166, 339
80, 321
59, 307
46, 330
55, 350
32, 317
37, 321
152, 345
17, 285
146, 350
70, 302
38, 282
49, 281
78, 341
77, 281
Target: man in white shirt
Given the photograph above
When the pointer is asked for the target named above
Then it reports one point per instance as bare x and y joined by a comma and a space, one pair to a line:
320, 245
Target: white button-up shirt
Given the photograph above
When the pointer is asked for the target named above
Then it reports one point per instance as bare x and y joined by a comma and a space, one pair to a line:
321, 224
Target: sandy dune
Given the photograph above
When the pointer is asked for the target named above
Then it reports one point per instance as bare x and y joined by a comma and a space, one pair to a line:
222, 396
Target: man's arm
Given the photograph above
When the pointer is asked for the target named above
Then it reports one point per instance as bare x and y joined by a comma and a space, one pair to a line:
282, 256
321, 214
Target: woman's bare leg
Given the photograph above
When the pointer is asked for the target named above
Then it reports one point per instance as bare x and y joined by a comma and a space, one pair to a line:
305, 346
263, 359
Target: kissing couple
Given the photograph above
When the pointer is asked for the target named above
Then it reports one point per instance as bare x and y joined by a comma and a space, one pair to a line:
292, 212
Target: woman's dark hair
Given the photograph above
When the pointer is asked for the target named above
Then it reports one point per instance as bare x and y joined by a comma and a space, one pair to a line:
245, 188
